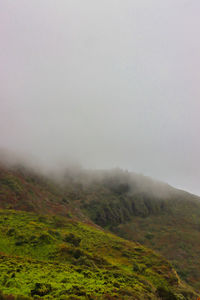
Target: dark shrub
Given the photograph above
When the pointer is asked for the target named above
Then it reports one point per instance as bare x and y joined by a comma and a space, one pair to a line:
78, 253
21, 239
45, 238
84, 261
41, 289
72, 239
138, 268
54, 233
166, 294
11, 232
77, 290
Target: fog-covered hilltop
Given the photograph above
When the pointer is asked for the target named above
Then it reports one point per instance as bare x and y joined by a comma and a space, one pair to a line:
69, 237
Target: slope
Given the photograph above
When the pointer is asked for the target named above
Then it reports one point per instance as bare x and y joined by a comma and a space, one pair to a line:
154, 214
58, 258
131, 205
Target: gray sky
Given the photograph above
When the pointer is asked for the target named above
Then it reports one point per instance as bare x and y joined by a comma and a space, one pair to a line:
104, 83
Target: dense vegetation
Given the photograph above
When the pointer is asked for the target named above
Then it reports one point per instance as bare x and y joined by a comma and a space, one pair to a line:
59, 258
133, 206
167, 223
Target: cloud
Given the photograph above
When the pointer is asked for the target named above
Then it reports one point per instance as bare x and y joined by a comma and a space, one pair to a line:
104, 84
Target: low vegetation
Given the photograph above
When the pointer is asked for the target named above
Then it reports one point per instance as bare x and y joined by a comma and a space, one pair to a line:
78, 261
131, 206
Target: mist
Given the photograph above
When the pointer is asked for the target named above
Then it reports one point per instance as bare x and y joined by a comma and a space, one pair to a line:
102, 85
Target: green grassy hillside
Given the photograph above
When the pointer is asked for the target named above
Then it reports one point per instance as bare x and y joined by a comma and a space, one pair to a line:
133, 206
59, 258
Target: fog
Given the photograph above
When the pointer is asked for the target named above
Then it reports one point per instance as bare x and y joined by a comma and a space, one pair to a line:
103, 84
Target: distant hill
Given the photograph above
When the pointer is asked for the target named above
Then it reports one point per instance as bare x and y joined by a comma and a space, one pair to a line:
132, 206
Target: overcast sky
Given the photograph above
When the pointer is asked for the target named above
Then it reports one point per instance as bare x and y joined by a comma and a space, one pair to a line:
107, 83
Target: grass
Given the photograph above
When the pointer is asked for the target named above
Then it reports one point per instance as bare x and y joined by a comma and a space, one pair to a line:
168, 222
39, 259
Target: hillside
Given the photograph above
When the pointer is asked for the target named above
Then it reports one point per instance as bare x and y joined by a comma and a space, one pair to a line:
133, 206
154, 214
59, 258
23, 188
